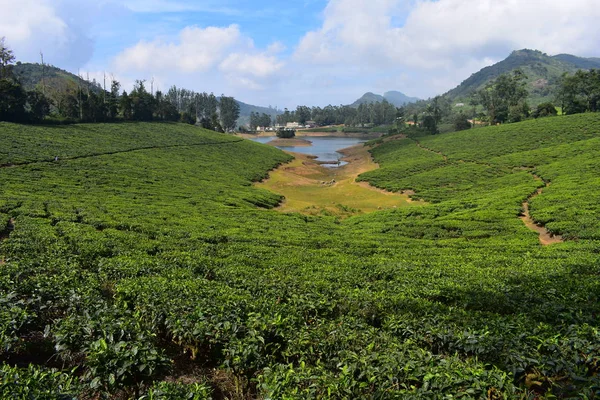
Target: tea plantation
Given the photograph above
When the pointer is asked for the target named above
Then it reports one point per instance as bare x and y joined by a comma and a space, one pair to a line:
143, 263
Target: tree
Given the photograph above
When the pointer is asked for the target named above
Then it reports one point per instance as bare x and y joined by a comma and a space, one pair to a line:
96, 109
6, 59
188, 118
430, 124
433, 116
12, 101
113, 99
211, 105
13, 98
38, 104
142, 102
254, 121
229, 112
126, 106
165, 111
580, 92
302, 114
545, 110
285, 133
505, 98
265, 120
461, 122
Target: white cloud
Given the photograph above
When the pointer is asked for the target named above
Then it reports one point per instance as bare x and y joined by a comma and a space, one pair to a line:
256, 65
439, 43
436, 32
198, 49
34, 26
215, 52
421, 47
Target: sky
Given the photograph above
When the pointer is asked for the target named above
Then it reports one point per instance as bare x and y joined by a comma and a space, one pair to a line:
295, 52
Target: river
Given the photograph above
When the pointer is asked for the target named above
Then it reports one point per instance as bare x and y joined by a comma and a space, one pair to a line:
325, 148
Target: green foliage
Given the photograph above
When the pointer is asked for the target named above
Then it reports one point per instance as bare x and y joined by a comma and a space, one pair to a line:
461, 123
364, 115
580, 92
543, 74
505, 98
144, 256
544, 110
285, 133
178, 391
229, 111
258, 120
123, 362
37, 383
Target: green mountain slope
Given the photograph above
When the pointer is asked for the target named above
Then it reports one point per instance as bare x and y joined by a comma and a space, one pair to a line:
31, 75
543, 73
396, 98
246, 109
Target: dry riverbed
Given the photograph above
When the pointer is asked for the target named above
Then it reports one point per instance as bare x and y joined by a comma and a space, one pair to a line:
311, 188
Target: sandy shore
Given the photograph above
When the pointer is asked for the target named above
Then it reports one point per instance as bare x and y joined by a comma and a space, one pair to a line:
293, 142
314, 134
313, 189
340, 134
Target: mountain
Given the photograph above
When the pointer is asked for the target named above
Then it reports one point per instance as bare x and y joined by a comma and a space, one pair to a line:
367, 98
246, 109
30, 75
396, 98
543, 73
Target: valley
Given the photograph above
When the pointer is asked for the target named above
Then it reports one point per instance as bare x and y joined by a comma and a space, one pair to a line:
164, 258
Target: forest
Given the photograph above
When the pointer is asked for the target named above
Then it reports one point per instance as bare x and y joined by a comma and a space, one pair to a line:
58, 99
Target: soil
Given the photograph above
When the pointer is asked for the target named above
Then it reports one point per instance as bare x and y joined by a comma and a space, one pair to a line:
313, 189
546, 238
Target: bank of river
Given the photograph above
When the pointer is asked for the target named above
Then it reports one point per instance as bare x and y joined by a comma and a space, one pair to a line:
311, 188
325, 149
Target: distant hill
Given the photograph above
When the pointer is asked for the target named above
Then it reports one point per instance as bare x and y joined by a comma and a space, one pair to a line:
396, 98
246, 109
543, 73
30, 75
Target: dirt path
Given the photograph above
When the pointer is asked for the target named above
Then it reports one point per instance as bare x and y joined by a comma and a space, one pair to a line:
313, 189
546, 238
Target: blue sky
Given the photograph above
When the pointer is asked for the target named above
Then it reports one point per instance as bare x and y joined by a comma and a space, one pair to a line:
265, 21
286, 53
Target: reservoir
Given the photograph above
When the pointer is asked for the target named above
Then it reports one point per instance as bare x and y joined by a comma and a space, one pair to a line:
325, 148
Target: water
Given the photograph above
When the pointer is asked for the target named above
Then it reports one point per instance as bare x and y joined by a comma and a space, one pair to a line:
325, 148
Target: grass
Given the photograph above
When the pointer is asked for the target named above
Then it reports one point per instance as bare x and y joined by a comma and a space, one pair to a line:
150, 250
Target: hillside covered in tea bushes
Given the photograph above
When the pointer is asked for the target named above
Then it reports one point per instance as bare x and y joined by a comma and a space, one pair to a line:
143, 263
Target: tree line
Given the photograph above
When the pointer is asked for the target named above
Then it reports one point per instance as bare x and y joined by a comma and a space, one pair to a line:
366, 114
62, 100
580, 92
